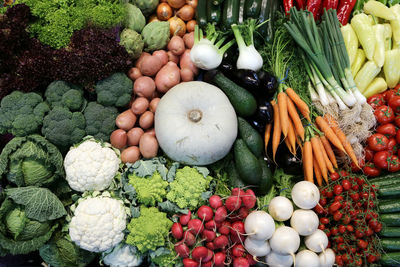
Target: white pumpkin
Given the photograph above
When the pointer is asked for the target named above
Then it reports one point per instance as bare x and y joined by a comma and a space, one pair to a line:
195, 123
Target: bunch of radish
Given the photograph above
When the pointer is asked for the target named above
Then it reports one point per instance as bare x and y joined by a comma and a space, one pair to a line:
214, 235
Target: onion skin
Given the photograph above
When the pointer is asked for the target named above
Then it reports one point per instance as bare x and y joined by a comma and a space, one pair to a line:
164, 11
192, 3
186, 13
177, 26
190, 25
176, 3
153, 18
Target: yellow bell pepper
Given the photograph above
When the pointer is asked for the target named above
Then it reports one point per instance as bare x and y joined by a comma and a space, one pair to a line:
365, 76
365, 34
358, 62
379, 54
379, 10
387, 34
391, 68
350, 40
395, 23
378, 85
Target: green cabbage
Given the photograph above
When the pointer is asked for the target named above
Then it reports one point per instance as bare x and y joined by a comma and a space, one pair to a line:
134, 19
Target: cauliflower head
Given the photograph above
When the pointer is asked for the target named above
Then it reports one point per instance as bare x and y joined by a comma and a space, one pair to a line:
187, 188
98, 223
149, 190
149, 230
91, 166
123, 256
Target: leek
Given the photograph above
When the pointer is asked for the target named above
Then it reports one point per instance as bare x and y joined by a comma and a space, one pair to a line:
387, 34
365, 76
379, 54
378, 85
379, 10
358, 62
350, 40
391, 68
363, 28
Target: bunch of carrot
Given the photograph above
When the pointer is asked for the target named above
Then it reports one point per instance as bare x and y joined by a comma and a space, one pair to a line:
317, 154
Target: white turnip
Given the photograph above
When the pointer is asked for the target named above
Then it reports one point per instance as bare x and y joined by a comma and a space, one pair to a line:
306, 258
274, 259
256, 247
280, 208
317, 242
285, 240
327, 258
259, 225
305, 222
305, 195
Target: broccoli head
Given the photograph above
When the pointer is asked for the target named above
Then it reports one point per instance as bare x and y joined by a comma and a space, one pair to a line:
63, 94
115, 90
100, 120
149, 190
63, 127
22, 114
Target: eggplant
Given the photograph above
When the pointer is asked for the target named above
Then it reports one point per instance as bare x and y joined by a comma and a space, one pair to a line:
263, 116
268, 84
286, 160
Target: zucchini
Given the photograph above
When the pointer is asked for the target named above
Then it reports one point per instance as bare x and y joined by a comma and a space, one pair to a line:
391, 219
390, 178
241, 11
267, 12
390, 244
390, 259
389, 206
201, 13
389, 232
213, 12
230, 13
252, 9
389, 190
217, 2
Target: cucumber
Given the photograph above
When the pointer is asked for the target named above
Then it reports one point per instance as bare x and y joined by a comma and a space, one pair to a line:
247, 165
388, 179
242, 100
252, 9
389, 232
201, 13
391, 219
267, 13
230, 13
389, 190
251, 137
266, 179
389, 206
390, 244
213, 12
390, 259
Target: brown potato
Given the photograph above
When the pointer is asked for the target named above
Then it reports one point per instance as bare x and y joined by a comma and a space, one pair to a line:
150, 65
186, 62
126, 120
144, 86
189, 40
176, 45
148, 146
130, 154
134, 73
140, 105
167, 77
139, 61
172, 57
146, 120
162, 56
134, 135
118, 138
187, 75
153, 104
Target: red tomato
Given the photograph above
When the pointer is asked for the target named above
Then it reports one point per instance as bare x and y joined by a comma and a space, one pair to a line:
346, 185
398, 136
397, 120
376, 101
389, 94
389, 130
355, 168
384, 114
371, 170
394, 103
381, 159
377, 142
392, 146
369, 154
334, 176
337, 189
393, 163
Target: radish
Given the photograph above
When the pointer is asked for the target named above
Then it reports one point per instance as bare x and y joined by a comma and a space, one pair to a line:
215, 202
182, 250
185, 218
210, 245
209, 257
190, 263
249, 199
317, 242
256, 247
205, 213
252, 260
233, 203
220, 214
208, 235
238, 228
210, 225
240, 262
305, 195
237, 192
224, 229
327, 258
280, 208
274, 259
307, 258
177, 231
285, 240
207, 264
259, 225
189, 238
219, 259
221, 241
236, 238
305, 222
243, 213
199, 253
195, 226
238, 250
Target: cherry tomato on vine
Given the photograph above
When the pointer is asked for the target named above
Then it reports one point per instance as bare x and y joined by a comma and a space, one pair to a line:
377, 142
393, 163
388, 129
371, 170
376, 101
346, 185
334, 176
384, 114
337, 189
390, 93
362, 243
381, 159
398, 136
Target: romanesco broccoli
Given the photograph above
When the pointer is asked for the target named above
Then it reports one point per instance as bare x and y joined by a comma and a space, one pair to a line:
149, 230
187, 188
149, 190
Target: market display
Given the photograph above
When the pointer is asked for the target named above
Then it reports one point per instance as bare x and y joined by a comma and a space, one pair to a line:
200, 133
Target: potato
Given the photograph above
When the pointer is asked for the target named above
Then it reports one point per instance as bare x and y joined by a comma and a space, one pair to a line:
187, 75
118, 138
139, 61
126, 120
176, 46
186, 62
153, 104
140, 105
172, 57
134, 135
144, 86
134, 73
148, 146
130, 154
146, 120
167, 77
162, 55
150, 65
188, 38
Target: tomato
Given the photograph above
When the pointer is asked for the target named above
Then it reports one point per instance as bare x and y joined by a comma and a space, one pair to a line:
368, 231
394, 103
371, 170
376, 101
339, 260
324, 220
323, 201
393, 163
350, 228
338, 198
389, 94
343, 173
337, 215
389, 130
337, 189
362, 243
381, 159
373, 223
369, 154
371, 258
334, 176
384, 114
392, 146
319, 209
346, 219
378, 228
355, 196
397, 120
346, 185
398, 136
377, 142
334, 207
334, 231
358, 234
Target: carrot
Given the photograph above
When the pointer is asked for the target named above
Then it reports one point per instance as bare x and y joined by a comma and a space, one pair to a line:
329, 151
267, 135
283, 113
319, 156
289, 146
317, 172
308, 161
328, 163
329, 133
301, 105
343, 139
295, 118
291, 136
276, 135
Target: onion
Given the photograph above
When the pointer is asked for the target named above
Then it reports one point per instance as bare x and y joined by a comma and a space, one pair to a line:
192, 3
164, 11
153, 18
176, 3
186, 13
190, 25
177, 26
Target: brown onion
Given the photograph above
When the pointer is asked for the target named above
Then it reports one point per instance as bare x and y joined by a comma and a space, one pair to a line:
177, 26
164, 11
186, 13
190, 25
176, 3
192, 3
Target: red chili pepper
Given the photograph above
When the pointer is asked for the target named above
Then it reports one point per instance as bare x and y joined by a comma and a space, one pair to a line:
314, 6
344, 10
330, 4
300, 4
288, 4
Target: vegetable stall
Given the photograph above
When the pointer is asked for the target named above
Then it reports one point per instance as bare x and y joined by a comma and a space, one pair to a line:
200, 133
